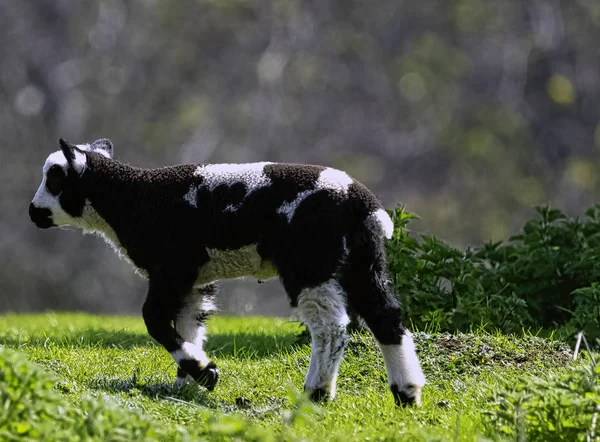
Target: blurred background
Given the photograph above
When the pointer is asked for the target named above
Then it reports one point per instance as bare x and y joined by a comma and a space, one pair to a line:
468, 111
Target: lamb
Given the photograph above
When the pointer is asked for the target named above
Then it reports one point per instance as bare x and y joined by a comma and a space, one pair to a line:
184, 227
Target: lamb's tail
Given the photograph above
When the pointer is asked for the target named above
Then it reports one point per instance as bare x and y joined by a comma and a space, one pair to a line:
381, 218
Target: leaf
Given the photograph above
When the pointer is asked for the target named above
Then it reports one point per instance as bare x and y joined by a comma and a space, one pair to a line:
22, 427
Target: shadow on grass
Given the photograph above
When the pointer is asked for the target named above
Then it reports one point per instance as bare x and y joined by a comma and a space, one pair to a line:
240, 345
190, 394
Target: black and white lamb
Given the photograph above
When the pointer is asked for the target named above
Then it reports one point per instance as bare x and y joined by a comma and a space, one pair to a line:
184, 227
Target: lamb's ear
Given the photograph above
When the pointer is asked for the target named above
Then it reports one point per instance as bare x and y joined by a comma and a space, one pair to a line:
103, 146
68, 149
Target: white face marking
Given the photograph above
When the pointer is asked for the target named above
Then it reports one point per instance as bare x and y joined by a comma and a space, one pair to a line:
329, 178
250, 174
90, 221
43, 199
323, 310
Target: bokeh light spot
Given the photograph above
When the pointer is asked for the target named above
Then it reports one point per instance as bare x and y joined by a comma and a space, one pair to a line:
529, 191
561, 89
582, 173
270, 66
413, 86
29, 101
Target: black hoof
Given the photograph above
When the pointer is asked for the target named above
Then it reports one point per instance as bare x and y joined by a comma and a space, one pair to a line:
317, 394
405, 396
205, 376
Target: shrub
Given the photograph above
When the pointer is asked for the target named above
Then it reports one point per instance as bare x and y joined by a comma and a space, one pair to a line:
544, 278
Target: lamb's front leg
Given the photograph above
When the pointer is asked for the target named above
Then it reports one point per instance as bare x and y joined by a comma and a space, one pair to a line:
164, 302
323, 310
191, 325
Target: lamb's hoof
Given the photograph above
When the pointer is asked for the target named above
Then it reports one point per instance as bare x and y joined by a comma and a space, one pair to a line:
205, 376
408, 395
317, 394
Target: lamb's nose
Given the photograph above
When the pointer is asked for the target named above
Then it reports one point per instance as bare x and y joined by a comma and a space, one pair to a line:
32, 210
41, 217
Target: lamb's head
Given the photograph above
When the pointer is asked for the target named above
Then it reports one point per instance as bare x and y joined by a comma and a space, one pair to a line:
60, 199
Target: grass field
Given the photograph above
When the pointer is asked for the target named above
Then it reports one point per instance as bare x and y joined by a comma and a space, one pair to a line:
110, 381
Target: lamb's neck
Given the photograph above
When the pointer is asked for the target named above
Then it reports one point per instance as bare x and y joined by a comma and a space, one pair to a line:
111, 189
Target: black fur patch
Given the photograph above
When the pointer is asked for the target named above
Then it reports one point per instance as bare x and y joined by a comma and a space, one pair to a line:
205, 376
401, 398
55, 179
158, 227
72, 198
318, 395
167, 235
41, 217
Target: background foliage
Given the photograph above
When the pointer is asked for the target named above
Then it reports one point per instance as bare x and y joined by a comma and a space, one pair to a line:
470, 112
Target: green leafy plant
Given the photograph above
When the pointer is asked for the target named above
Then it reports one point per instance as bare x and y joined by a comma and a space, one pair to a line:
544, 278
31, 409
556, 408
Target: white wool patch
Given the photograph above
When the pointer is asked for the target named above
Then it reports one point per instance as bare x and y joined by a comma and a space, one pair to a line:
334, 179
288, 209
402, 364
192, 196
187, 324
382, 218
251, 175
231, 264
323, 310
329, 178
190, 351
345, 245
193, 331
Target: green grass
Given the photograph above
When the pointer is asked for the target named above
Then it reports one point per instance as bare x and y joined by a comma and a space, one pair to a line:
110, 363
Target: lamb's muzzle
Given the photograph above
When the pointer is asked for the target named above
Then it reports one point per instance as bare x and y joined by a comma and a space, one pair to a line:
41, 217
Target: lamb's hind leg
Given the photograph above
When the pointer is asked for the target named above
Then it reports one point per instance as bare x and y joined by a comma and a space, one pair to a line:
366, 281
164, 301
323, 310
374, 301
191, 325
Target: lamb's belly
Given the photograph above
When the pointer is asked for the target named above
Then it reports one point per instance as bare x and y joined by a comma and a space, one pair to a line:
229, 264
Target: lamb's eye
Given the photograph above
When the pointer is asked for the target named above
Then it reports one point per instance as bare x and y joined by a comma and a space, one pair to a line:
55, 180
